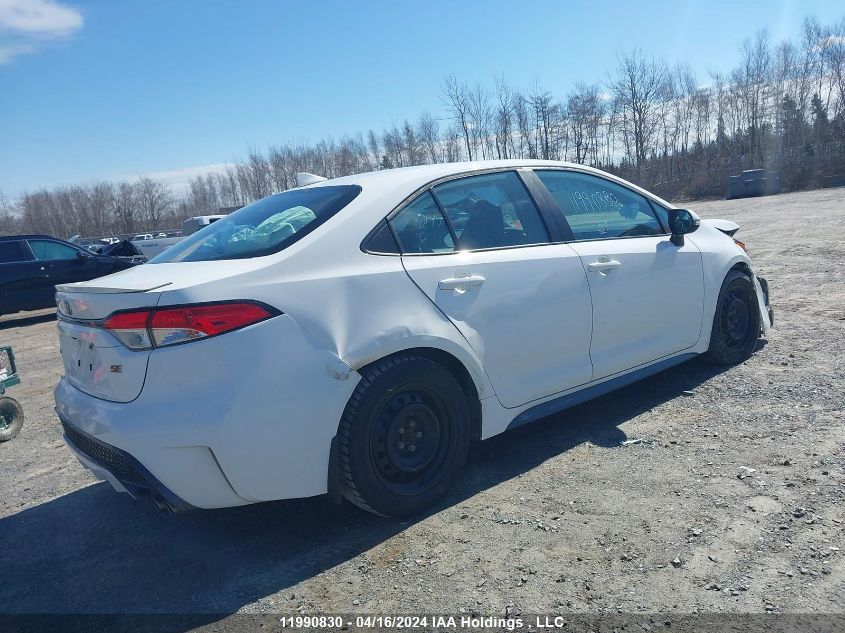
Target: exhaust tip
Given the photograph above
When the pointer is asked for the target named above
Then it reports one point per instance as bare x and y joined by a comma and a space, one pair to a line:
162, 504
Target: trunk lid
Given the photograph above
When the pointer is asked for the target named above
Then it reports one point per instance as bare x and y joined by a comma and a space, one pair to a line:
95, 361
98, 364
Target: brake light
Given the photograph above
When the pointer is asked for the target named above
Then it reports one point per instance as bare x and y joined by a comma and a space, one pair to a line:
146, 329
178, 325
130, 328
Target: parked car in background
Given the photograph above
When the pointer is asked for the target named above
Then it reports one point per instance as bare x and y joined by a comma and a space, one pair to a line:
31, 265
356, 335
154, 245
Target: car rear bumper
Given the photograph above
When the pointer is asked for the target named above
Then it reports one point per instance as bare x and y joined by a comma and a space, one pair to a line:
244, 417
120, 469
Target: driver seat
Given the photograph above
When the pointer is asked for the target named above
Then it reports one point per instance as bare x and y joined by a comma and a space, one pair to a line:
485, 227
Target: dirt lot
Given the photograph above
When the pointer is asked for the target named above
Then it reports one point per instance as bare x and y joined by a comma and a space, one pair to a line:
733, 500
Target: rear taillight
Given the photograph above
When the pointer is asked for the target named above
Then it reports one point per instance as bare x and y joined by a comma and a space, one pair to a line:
146, 329
131, 328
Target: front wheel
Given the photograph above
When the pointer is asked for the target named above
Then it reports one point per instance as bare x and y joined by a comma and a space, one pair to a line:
404, 436
11, 418
736, 324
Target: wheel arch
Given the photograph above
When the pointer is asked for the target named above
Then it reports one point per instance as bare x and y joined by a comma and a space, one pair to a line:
741, 266
455, 367
715, 275
718, 265
440, 356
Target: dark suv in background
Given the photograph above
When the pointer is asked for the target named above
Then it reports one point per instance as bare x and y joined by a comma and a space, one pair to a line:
31, 265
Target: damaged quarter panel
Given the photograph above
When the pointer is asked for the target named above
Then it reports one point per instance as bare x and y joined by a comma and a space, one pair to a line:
358, 306
363, 307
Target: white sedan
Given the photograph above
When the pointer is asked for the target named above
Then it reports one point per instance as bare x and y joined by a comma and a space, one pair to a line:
354, 336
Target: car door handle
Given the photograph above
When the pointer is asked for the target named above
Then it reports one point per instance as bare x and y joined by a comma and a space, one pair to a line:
460, 284
603, 265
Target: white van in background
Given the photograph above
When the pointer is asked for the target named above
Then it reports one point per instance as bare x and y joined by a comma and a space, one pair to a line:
151, 246
192, 225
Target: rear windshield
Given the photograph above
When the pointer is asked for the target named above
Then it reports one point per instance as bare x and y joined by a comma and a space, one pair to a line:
263, 227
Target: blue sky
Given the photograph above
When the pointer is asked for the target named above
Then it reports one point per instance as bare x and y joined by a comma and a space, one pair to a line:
104, 89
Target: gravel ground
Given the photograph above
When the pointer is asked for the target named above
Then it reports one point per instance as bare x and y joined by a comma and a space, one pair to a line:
697, 490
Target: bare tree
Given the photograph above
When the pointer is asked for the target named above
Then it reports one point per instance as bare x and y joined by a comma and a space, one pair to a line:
410, 146
547, 119
481, 115
526, 147
504, 119
8, 220
428, 132
702, 116
154, 200
99, 200
833, 55
452, 144
458, 102
752, 80
584, 113
636, 89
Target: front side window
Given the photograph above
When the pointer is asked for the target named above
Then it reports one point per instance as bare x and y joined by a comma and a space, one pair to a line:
263, 227
597, 209
662, 213
14, 251
49, 250
491, 211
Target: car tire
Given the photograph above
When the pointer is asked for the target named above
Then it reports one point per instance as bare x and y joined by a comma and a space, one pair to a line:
11, 418
736, 323
404, 436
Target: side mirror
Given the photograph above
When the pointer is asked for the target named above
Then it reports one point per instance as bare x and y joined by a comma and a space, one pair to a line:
80, 256
681, 222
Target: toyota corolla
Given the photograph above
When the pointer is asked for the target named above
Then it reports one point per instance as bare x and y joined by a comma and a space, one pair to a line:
354, 336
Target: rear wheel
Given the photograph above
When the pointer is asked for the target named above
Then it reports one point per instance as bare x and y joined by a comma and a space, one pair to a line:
736, 324
11, 418
404, 436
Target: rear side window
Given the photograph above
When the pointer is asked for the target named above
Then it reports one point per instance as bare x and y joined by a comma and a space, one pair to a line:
263, 227
14, 251
381, 241
49, 250
420, 227
491, 211
597, 209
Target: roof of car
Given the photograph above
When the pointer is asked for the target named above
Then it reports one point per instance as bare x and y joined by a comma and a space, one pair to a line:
402, 181
426, 173
6, 238
409, 179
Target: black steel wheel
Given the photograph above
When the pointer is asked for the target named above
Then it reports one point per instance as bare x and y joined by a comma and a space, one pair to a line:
404, 436
736, 323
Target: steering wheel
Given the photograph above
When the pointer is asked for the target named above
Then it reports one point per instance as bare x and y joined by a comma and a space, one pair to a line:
637, 230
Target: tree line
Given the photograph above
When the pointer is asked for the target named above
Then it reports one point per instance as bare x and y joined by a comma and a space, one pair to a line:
781, 108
